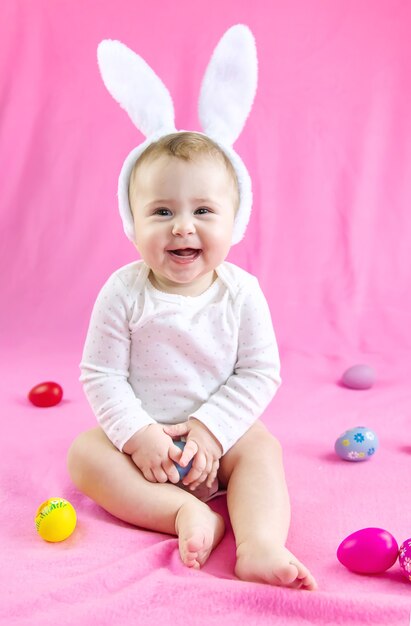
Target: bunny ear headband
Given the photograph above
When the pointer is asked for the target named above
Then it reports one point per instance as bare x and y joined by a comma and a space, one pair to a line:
226, 97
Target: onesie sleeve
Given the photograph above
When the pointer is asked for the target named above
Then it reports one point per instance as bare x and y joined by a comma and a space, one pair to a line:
240, 401
105, 365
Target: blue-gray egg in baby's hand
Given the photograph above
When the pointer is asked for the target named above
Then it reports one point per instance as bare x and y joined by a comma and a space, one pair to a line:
357, 444
182, 471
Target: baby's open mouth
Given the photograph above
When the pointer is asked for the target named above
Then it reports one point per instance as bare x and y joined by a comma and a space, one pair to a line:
184, 251
188, 254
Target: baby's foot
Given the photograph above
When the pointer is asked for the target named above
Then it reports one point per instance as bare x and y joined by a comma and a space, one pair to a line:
199, 531
275, 565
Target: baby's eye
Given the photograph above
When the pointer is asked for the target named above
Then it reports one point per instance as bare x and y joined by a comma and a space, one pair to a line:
202, 210
162, 212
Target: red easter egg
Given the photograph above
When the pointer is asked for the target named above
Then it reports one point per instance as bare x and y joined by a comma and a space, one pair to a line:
368, 551
46, 394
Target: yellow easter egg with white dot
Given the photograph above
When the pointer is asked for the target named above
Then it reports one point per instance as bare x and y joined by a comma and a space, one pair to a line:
55, 519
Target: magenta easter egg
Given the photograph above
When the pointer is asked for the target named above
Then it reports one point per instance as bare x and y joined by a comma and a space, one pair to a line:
405, 558
46, 394
368, 551
359, 377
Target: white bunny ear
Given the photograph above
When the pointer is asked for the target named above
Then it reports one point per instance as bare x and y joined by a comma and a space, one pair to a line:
229, 85
136, 87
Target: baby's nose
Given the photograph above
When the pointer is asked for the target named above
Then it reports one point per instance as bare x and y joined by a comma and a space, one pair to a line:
183, 226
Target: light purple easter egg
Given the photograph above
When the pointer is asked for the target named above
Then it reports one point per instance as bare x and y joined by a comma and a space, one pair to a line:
357, 444
359, 376
368, 551
405, 558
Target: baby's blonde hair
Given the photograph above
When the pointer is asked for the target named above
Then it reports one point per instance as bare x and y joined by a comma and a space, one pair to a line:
186, 146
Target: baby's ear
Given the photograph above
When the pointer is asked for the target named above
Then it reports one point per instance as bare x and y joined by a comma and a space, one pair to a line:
229, 85
136, 87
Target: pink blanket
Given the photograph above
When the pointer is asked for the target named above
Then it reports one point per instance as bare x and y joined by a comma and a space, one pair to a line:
108, 572
328, 147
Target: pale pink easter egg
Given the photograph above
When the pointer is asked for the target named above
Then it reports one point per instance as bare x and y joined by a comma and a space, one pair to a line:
368, 551
359, 376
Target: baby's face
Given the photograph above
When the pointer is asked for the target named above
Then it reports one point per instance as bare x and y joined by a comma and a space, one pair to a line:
183, 215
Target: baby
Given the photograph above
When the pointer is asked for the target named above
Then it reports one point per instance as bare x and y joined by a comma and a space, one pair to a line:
181, 345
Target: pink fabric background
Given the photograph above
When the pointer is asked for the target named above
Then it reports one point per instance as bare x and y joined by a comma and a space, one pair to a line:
328, 145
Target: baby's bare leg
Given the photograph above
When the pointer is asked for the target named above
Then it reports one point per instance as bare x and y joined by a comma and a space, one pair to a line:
259, 510
112, 480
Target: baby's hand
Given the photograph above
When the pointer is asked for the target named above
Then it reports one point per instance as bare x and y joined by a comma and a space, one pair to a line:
202, 446
152, 450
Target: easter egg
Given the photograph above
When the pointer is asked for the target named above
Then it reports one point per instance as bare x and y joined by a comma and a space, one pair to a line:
359, 377
357, 444
46, 394
182, 471
368, 551
405, 558
55, 519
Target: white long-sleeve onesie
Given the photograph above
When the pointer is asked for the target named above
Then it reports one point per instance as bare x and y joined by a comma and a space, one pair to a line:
152, 356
